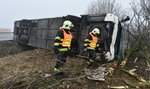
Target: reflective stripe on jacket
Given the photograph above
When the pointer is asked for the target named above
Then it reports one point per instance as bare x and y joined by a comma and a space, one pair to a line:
93, 42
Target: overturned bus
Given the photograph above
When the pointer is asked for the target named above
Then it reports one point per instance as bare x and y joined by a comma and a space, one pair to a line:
41, 33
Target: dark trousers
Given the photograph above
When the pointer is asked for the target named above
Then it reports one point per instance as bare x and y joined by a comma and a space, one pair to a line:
92, 54
61, 58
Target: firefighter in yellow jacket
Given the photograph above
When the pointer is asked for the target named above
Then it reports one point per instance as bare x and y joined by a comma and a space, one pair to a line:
90, 45
62, 44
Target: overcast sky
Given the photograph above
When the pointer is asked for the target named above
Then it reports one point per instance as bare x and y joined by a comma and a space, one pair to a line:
11, 10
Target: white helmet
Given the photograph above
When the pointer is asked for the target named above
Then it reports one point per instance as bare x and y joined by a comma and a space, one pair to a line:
67, 24
96, 31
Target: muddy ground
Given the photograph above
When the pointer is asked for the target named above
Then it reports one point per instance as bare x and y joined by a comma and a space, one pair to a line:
24, 67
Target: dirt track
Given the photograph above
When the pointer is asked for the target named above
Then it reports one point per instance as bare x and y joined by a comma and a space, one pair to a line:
22, 68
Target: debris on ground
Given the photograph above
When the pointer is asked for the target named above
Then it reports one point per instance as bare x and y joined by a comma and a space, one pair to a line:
33, 69
97, 74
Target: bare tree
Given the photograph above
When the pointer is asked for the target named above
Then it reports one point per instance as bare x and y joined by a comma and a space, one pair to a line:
105, 6
140, 23
145, 5
139, 27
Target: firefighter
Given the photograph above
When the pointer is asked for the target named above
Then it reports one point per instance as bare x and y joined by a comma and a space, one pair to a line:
90, 45
62, 45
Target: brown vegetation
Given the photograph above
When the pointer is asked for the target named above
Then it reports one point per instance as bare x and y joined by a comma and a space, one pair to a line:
28, 69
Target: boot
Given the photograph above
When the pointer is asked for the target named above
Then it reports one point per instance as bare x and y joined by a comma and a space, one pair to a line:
58, 72
90, 63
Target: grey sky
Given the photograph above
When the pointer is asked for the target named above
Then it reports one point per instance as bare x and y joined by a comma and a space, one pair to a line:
11, 10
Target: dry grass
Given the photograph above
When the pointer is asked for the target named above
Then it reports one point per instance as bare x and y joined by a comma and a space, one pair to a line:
25, 70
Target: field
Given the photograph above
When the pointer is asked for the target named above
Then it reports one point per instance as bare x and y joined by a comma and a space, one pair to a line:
24, 67
6, 35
